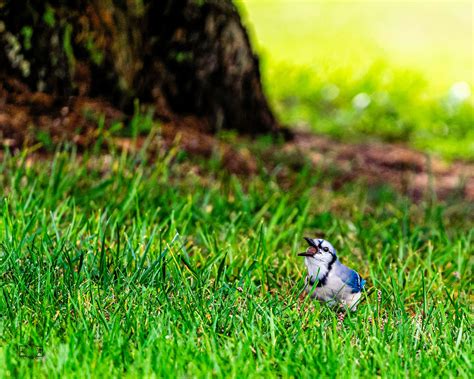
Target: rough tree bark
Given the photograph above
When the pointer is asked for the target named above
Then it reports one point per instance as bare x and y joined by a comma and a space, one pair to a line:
187, 57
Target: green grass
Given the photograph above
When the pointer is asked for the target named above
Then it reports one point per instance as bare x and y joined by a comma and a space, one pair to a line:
119, 265
155, 264
410, 61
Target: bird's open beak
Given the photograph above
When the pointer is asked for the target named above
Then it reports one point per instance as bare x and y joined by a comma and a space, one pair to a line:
313, 248
304, 254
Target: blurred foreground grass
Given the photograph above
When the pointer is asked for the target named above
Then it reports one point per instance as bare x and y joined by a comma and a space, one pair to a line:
395, 71
127, 265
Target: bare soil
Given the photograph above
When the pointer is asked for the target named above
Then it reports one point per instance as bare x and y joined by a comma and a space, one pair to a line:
25, 115
411, 172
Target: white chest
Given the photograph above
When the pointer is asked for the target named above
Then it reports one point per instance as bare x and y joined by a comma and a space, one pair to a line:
334, 291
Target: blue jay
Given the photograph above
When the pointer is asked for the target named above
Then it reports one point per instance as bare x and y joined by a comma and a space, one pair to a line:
328, 279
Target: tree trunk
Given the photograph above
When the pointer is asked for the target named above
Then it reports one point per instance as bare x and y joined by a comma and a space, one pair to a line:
187, 57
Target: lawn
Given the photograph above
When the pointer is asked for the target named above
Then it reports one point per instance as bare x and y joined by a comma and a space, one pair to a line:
122, 265
144, 261
357, 70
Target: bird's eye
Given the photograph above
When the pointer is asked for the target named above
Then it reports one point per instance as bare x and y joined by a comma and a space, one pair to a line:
326, 249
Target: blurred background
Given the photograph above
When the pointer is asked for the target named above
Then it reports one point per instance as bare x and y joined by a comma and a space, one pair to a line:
358, 78
393, 70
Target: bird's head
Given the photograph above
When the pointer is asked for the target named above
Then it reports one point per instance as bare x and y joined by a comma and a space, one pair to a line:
319, 251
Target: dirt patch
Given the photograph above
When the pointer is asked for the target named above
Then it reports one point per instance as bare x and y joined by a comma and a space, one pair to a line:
186, 134
411, 172
29, 118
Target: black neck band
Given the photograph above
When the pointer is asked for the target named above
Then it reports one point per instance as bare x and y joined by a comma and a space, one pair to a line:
323, 279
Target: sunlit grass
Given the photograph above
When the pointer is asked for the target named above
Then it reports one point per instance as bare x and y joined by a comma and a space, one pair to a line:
409, 59
433, 37
119, 265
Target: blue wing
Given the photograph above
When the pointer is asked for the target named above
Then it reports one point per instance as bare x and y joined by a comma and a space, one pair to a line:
350, 277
